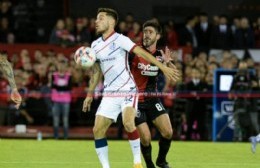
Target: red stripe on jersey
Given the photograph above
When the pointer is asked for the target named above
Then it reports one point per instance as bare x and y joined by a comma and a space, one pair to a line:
132, 48
108, 69
124, 83
108, 36
106, 45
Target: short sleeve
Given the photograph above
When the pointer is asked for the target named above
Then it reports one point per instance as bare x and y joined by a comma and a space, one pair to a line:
125, 43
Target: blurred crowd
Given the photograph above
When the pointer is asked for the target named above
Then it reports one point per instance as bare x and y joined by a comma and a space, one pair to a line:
198, 31
33, 72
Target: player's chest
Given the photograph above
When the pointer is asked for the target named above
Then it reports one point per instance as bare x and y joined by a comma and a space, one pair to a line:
109, 52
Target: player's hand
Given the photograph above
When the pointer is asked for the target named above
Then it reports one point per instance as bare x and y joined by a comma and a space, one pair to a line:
16, 98
172, 74
166, 55
87, 103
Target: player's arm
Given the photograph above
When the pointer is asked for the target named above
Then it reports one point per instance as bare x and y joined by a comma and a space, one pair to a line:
7, 70
170, 73
93, 82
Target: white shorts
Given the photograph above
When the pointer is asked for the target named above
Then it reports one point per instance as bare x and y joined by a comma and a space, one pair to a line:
112, 105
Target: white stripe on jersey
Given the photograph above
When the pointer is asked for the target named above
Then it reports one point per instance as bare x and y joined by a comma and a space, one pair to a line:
112, 56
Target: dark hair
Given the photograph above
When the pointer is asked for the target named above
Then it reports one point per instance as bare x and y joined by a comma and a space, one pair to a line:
153, 24
109, 12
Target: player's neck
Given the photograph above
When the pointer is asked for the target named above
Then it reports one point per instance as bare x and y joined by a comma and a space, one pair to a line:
151, 48
107, 34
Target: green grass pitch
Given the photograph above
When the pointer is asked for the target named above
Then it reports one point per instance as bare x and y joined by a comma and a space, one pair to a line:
81, 154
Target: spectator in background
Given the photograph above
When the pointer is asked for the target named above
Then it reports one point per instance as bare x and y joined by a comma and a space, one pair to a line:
203, 31
122, 28
187, 34
244, 36
61, 97
6, 10
215, 20
135, 34
6, 33
82, 34
257, 33
69, 24
129, 19
57, 31
235, 25
92, 28
196, 116
221, 37
171, 35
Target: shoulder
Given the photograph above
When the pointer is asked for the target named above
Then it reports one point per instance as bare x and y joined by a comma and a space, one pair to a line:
95, 42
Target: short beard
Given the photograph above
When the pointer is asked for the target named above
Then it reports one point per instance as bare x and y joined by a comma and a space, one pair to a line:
149, 43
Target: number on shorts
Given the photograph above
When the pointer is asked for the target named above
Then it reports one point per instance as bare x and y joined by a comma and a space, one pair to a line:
158, 106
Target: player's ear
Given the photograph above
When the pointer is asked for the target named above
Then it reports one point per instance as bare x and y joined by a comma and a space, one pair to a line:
158, 36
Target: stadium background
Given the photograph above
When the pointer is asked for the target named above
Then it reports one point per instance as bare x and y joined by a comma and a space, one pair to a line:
31, 22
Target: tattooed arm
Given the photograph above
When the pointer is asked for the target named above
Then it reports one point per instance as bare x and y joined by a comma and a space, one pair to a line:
94, 80
7, 70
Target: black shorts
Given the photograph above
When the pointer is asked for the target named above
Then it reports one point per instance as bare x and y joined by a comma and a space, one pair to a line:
148, 111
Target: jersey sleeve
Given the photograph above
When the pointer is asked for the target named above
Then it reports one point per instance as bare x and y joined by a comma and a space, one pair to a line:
125, 43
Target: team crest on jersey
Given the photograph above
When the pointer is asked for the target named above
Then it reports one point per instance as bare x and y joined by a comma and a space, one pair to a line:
112, 46
159, 58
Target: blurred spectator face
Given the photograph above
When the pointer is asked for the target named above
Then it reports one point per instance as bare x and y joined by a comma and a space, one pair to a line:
250, 62
226, 64
216, 20
60, 25
150, 36
27, 66
25, 56
223, 20
5, 5
244, 23
37, 55
234, 60
10, 38
136, 27
203, 19
242, 65
226, 54
195, 74
4, 23
209, 78
187, 59
258, 21
212, 58
62, 66
92, 25
236, 22
212, 67
79, 24
122, 26
199, 63
188, 71
203, 56
85, 21
129, 18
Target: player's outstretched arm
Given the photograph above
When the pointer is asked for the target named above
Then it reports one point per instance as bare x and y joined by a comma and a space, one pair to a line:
170, 73
7, 70
94, 80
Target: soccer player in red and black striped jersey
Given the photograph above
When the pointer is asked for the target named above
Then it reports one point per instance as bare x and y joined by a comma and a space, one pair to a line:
150, 108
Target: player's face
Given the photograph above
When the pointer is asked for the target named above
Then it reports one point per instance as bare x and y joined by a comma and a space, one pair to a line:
102, 23
150, 36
